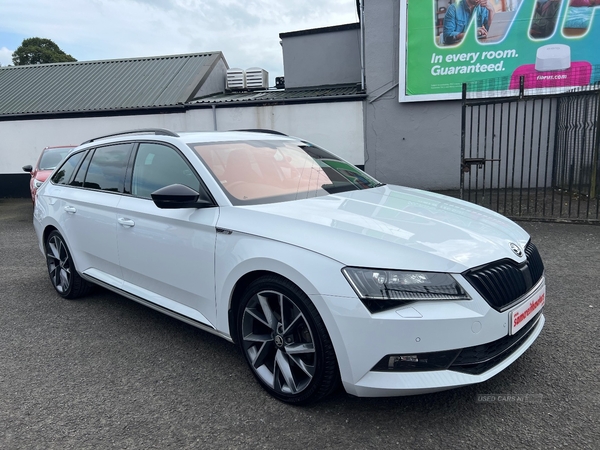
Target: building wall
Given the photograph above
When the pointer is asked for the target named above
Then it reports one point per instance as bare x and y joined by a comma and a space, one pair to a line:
413, 144
321, 57
215, 80
22, 140
336, 127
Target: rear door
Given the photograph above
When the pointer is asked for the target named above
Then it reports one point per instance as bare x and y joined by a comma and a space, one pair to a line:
87, 190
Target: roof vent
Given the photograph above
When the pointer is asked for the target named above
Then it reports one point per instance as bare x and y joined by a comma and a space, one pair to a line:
236, 79
257, 78
251, 79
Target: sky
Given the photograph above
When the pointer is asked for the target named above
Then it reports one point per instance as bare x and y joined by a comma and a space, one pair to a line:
246, 31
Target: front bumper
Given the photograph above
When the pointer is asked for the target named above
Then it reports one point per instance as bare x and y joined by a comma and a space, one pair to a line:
362, 341
388, 384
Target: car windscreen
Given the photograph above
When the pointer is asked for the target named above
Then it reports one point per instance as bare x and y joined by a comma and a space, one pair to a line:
269, 171
52, 157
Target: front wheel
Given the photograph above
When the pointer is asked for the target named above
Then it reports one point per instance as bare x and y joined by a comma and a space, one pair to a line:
65, 279
285, 342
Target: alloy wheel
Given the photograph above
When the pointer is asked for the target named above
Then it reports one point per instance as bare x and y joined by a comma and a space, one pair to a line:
278, 342
59, 264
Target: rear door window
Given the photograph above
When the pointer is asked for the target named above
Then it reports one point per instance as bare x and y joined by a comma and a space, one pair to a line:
106, 171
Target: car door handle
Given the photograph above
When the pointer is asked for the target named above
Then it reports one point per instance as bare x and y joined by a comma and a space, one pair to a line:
126, 222
70, 209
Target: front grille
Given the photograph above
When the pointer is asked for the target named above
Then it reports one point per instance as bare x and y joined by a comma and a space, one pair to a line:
501, 283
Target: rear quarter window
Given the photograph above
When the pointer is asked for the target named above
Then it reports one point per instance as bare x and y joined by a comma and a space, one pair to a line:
64, 173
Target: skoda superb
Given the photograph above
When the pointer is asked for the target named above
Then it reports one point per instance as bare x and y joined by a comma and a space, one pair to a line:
321, 275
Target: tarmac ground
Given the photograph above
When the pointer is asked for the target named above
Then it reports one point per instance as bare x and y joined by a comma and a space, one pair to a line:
106, 372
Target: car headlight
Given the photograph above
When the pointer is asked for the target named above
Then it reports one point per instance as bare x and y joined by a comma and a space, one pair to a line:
384, 289
37, 183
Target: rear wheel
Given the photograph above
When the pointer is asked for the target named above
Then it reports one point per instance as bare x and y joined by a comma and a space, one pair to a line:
65, 279
285, 342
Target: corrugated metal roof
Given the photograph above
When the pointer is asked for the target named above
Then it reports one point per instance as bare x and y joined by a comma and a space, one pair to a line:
103, 85
281, 95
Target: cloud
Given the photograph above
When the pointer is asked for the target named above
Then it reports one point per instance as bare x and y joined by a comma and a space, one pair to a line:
5, 56
246, 31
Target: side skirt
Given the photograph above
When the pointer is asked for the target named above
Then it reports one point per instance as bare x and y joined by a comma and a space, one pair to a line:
156, 307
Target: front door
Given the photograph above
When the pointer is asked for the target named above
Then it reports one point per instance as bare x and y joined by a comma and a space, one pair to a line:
167, 255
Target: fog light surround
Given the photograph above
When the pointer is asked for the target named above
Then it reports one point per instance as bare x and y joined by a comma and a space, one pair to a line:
416, 362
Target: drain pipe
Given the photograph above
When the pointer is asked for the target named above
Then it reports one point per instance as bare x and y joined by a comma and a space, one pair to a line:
361, 19
214, 108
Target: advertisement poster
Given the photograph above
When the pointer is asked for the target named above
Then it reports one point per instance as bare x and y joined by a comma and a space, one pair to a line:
552, 44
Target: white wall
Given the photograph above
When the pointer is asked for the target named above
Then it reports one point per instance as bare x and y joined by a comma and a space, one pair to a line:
22, 140
337, 127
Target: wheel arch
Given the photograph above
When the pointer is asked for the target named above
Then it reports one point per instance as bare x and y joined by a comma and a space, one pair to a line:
47, 230
238, 292
62, 269
236, 297
310, 272
315, 274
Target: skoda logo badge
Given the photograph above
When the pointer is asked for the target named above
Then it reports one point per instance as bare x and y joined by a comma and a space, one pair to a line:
278, 341
516, 250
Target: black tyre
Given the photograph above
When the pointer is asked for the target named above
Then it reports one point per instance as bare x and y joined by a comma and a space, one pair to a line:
65, 279
285, 342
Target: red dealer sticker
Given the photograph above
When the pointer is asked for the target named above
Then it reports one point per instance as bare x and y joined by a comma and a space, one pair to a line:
527, 310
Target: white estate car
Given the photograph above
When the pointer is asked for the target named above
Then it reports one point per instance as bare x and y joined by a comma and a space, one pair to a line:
318, 272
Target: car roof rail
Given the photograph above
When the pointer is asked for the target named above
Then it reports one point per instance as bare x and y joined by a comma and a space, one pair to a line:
263, 130
156, 131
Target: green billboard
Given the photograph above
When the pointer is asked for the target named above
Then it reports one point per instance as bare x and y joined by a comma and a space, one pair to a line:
544, 44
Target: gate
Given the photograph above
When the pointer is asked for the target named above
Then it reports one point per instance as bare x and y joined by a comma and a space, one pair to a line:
533, 157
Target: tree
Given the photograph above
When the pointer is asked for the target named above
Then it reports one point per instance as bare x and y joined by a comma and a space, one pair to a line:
39, 51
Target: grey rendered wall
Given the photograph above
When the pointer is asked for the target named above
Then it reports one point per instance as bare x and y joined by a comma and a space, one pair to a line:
412, 144
313, 58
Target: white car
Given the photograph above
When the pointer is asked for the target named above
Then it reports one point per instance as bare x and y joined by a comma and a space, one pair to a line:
318, 272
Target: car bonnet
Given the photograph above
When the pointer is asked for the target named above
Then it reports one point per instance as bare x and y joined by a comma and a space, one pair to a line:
385, 227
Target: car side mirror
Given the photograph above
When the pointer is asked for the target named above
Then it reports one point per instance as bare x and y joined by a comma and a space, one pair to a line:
177, 196
27, 168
